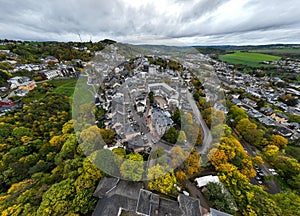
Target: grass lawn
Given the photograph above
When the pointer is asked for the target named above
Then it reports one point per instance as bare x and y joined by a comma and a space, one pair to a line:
65, 86
248, 58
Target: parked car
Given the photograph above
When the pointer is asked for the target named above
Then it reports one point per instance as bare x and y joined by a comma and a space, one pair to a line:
257, 178
258, 169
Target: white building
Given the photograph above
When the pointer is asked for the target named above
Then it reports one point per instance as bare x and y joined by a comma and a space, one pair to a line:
17, 81
202, 181
51, 74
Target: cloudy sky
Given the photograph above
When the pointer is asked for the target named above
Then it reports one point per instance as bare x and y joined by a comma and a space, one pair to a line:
180, 22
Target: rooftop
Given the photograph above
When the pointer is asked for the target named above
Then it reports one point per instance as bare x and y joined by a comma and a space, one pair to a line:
131, 197
215, 212
202, 181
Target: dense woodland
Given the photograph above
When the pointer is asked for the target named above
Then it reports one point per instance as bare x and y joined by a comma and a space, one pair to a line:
31, 52
43, 171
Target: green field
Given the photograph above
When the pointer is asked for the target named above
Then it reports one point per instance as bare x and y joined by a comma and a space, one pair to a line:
64, 86
248, 58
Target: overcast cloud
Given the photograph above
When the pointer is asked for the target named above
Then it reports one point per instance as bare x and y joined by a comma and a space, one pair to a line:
197, 22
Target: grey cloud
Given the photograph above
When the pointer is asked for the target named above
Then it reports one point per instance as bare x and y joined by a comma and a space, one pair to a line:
205, 20
201, 8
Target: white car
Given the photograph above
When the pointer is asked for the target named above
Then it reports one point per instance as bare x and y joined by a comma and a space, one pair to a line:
272, 170
275, 173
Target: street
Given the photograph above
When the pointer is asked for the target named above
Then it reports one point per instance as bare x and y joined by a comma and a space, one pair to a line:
272, 185
206, 134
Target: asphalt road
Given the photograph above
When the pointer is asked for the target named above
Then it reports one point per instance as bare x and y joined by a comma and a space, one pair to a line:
206, 134
272, 185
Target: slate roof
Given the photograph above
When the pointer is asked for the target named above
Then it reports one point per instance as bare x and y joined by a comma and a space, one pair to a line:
189, 206
160, 118
215, 212
144, 202
105, 185
168, 207
131, 197
124, 195
282, 116
131, 128
284, 131
137, 142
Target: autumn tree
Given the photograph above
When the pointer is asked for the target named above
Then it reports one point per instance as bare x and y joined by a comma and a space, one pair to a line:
192, 164
181, 137
171, 135
249, 131
107, 136
270, 150
289, 202
107, 161
218, 198
90, 138
133, 167
180, 175
237, 114
162, 179
221, 130
258, 160
177, 156
56, 199
176, 117
278, 141
218, 157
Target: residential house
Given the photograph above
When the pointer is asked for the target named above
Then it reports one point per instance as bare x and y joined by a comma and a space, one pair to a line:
17, 81
137, 143
236, 101
267, 121
116, 196
279, 117
221, 107
245, 107
5, 51
51, 60
267, 110
254, 113
295, 126
30, 85
140, 101
160, 121
202, 181
249, 102
21, 92
131, 130
284, 131
214, 212
7, 103
296, 136
50, 74
165, 91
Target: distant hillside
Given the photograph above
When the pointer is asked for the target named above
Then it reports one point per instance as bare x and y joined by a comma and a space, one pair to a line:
282, 50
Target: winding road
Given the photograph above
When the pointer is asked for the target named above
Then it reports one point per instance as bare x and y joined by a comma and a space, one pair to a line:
206, 134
